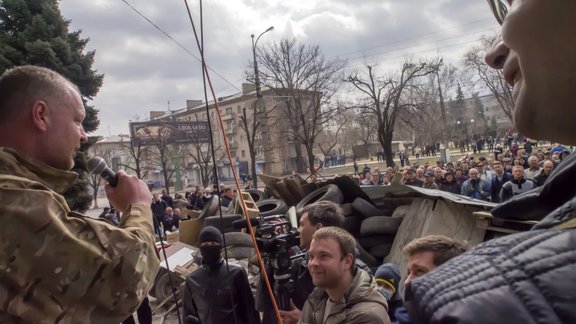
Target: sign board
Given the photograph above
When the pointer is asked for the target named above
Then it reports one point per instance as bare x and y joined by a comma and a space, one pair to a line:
180, 132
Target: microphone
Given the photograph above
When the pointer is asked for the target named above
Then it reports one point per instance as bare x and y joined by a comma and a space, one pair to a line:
96, 165
242, 223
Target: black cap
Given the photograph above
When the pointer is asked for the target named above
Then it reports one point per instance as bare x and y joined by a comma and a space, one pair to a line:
210, 234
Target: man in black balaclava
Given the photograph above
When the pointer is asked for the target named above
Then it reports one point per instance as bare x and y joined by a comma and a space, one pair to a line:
215, 293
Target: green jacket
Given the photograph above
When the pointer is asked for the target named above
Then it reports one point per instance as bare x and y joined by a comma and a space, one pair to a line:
58, 266
362, 304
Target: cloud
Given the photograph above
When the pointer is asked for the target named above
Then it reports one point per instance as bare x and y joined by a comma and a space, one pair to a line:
144, 69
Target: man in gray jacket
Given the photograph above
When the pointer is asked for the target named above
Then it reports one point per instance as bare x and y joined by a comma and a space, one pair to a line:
343, 293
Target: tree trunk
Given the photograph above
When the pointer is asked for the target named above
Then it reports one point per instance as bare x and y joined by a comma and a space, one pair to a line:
387, 147
253, 165
310, 153
299, 164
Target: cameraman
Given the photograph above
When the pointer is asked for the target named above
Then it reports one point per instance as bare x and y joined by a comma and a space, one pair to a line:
312, 218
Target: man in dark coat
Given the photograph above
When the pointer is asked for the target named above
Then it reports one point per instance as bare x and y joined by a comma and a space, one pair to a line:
217, 293
498, 180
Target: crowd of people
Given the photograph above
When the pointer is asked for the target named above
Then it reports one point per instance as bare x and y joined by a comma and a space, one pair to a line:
496, 177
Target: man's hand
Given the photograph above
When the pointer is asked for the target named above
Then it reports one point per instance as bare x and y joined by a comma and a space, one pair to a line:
292, 316
129, 190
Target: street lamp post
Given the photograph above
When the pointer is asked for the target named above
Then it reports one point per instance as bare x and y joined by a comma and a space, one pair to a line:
256, 74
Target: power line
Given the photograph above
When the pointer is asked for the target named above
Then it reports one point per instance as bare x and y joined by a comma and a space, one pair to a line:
178, 43
416, 37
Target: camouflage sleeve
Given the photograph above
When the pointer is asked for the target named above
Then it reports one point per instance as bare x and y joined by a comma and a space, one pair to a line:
56, 264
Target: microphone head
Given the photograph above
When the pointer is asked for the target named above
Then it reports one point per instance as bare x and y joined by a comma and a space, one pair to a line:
96, 165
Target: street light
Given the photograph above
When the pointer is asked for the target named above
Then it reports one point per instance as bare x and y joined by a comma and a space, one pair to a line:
256, 76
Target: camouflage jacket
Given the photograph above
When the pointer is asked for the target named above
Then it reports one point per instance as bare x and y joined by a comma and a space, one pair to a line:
58, 266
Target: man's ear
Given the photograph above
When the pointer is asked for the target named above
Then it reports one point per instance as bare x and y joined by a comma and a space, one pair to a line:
318, 226
348, 261
40, 115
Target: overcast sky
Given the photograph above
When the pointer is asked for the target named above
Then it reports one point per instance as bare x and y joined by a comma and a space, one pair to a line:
144, 69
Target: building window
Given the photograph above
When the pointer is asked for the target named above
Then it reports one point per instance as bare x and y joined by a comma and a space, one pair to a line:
243, 153
239, 109
228, 111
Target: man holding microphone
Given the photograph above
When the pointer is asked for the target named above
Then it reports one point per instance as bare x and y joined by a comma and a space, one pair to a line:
57, 265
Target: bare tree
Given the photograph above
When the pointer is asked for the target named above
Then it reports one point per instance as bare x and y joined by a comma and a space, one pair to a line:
482, 74
303, 75
253, 121
329, 138
390, 96
166, 154
137, 158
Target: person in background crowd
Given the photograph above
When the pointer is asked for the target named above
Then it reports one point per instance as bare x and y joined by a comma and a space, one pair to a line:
498, 180
429, 181
167, 198
158, 207
541, 178
450, 184
207, 195
388, 278
180, 202
517, 185
411, 179
534, 168
438, 175
475, 187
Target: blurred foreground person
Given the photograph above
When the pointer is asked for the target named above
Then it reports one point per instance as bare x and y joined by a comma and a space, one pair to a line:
527, 277
57, 265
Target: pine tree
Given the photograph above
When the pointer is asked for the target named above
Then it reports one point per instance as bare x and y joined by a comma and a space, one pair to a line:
35, 33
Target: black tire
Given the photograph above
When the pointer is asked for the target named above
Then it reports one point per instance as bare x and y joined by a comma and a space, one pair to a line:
240, 252
257, 195
162, 287
210, 209
352, 224
371, 241
238, 239
380, 225
269, 207
367, 258
227, 219
380, 251
347, 209
329, 192
365, 208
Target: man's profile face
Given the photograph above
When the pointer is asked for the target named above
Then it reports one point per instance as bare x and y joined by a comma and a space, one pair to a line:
177, 212
306, 230
326, 263
65, 132
419, 264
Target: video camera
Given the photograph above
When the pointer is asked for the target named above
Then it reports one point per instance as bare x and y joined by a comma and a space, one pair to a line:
278, 242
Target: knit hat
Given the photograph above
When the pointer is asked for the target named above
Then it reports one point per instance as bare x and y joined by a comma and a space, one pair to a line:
210, 234
389, 274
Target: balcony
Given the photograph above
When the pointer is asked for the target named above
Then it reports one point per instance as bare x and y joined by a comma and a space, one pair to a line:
233, 146
229, 116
